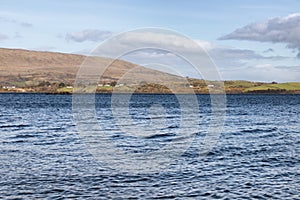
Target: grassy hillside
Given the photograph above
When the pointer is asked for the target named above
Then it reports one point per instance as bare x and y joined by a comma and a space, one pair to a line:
35, 71
280, 87
29, 68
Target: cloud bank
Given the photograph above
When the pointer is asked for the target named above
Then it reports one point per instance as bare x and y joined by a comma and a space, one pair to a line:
233, 63
276, 30
93, 35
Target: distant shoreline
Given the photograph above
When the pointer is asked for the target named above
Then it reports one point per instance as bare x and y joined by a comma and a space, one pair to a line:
25, 71
153, 93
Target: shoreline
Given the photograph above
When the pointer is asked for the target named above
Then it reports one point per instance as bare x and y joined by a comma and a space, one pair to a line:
154, 93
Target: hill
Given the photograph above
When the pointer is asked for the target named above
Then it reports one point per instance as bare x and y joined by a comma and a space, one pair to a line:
36, 71
30, 67
51, 72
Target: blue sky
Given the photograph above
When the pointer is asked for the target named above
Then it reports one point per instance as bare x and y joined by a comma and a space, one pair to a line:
56, 25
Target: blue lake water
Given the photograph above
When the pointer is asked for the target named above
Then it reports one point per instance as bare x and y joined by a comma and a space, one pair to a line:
257, 156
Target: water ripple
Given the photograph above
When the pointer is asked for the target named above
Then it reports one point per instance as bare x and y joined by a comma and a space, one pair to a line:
257, 156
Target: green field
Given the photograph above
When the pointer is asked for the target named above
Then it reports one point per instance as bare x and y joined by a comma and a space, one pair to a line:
290, 86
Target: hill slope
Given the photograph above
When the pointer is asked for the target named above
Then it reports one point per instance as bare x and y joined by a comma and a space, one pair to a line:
18, 65
36, 71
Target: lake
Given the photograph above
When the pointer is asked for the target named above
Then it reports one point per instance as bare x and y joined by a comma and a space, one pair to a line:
43, 155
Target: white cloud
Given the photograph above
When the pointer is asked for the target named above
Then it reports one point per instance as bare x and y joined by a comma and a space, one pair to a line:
240, 54
171, 42
94, 35
178, 44
207, 45
276, 30
269, 50
233, 63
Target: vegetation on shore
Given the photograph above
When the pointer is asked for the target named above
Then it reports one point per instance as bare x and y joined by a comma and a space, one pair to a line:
290, 87
194, 85
49, 72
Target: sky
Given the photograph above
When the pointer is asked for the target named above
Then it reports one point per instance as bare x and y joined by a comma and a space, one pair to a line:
247, 40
